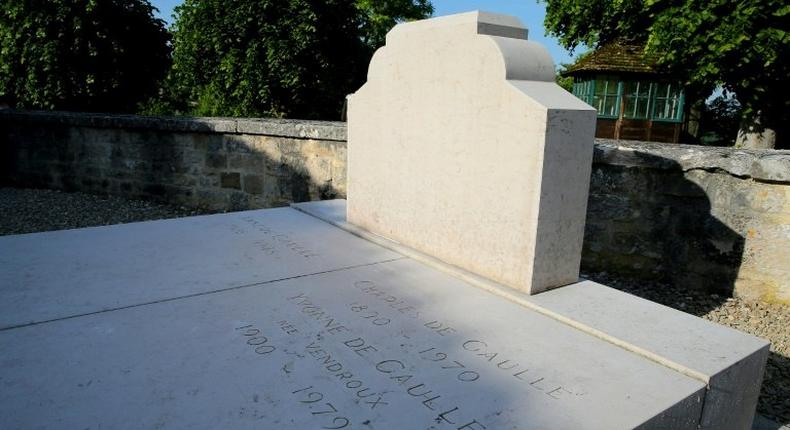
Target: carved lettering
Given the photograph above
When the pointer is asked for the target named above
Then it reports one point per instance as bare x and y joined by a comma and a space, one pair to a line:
532, 378
344, 376
418, 390
358, 345
307, 307
273, 239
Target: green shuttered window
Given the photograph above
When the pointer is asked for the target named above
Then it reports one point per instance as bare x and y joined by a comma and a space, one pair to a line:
658, 101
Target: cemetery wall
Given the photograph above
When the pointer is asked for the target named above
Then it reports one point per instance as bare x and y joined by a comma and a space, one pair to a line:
700, 217
211, 163
714, 218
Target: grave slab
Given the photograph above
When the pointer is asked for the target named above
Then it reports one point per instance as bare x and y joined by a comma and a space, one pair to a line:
389, 345
729, 362
60, 274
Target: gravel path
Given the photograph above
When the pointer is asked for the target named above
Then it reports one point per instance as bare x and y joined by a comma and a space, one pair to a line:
28, 211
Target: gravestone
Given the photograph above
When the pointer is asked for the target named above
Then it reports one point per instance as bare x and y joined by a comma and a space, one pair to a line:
298, 318
368, 339
461, 146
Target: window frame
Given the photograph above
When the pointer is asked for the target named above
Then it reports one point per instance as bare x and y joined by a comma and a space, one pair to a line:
647, 99
584, 89
606, 94
681, 98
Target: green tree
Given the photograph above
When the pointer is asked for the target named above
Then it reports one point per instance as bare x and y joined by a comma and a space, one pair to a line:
566, 82
282, 58
720, 119
97, 55
742, 46
379, 16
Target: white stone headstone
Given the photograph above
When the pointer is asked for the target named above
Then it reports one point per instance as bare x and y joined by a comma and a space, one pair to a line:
463, 147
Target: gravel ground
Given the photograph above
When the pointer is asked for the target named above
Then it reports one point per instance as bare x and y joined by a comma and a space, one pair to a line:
28, 211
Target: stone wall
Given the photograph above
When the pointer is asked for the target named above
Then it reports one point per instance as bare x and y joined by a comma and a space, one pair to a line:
213, 163
699, 217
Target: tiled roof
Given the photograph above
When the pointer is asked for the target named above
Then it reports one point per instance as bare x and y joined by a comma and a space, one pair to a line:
616, 57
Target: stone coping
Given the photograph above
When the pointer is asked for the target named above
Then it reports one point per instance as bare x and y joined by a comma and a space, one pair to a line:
759, 164
302, 129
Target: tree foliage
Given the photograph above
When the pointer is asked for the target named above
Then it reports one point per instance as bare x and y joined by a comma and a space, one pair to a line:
742, 45
99, 55
379, 16
720, 119
566, 82
294, 58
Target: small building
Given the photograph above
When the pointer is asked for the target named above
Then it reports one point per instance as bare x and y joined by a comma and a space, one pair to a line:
634, 100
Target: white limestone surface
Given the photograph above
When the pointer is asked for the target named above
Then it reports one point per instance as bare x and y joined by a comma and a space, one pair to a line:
729, 362
45, 276
461, 146
382, 346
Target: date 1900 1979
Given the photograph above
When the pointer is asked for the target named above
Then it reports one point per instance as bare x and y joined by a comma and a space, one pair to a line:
324, 410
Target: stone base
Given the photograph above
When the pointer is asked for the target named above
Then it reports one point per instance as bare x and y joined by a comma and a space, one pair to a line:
275, 319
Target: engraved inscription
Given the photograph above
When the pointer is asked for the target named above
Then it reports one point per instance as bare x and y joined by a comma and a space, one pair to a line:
255, 339
373, 316
342, 375
431, 369
308, 308
287, 327
273, 240
534, 378
324, 408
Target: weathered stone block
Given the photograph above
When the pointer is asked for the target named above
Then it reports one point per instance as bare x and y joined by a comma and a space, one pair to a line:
212, 199
216, 160
230, 180
236, 144
247, 161
238, 201
209, 180
157, 190
253, 184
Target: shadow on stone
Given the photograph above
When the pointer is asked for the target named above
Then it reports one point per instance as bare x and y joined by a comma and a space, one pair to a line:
650, 223
187, 163
651, 232
773, 391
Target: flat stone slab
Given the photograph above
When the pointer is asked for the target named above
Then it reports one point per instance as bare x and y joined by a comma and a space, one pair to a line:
357, 338
729, 362
389, 345
53, 275
222, 321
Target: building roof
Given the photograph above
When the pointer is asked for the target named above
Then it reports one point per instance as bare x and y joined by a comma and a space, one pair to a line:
616, 57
